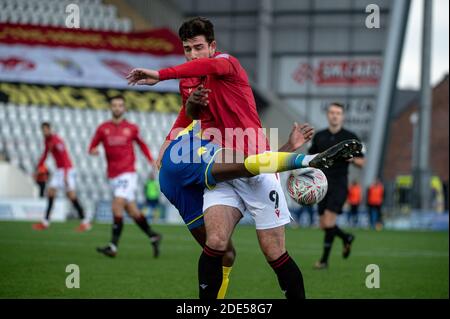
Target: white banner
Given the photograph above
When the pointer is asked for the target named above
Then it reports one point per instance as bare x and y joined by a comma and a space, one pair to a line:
79, 66
359, 75
28, 209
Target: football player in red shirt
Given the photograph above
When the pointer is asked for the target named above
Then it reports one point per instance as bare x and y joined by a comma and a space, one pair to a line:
63, 179
117, 136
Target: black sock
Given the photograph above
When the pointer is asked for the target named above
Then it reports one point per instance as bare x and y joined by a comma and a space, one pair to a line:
78, 207
340, 233
116, 230
210, 273
49, 207
328, 243
289, 277
143, 224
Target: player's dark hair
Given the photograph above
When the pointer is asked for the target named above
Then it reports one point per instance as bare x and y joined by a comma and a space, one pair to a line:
45, 124
195, 27
340, 105
117, 96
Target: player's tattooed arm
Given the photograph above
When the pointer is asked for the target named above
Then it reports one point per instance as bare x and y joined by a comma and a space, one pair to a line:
196, 101
300, 134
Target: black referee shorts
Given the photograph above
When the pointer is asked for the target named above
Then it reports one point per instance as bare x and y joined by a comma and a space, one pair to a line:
335, 198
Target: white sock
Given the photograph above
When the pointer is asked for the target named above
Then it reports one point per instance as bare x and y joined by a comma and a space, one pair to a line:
307, 159
113, 247
45, 222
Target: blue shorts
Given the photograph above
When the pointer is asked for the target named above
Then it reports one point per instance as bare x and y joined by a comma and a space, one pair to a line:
185, 172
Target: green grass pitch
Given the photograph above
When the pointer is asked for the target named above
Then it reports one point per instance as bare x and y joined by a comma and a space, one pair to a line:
32, 264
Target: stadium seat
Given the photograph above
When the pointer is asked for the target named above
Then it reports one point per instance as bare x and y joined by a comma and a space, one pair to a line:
2, 112
115, 25
94, 14
3, 16
125, 25
22, 141
111, 11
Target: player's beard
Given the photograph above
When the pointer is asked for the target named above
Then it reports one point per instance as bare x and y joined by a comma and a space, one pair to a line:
117, 116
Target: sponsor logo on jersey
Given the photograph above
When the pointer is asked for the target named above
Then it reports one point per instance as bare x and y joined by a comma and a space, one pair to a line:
126, 131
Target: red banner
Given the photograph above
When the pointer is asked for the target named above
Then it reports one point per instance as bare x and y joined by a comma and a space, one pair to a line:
358, 72
340, 72
157, 41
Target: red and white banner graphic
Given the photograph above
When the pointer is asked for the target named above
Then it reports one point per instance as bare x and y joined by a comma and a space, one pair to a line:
330, 75
59, 56
156, 42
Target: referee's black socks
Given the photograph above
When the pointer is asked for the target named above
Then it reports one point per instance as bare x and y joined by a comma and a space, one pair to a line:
210, 273
328, 243
289, 277
341, 234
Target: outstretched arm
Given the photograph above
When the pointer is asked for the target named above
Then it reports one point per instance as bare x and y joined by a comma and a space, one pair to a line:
197, 68
191, 69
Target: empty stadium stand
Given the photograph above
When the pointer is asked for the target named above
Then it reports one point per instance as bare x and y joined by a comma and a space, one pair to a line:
94, 14
22, 142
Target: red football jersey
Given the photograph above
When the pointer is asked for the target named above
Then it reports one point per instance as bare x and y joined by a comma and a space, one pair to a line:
117, 140
232, 108
55, 145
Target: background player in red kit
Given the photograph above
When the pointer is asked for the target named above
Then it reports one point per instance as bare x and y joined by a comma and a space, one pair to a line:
62, 179
117, 137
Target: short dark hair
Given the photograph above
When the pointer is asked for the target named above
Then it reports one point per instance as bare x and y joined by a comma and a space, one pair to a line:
117, 96
340, 105
46, 124
195, 27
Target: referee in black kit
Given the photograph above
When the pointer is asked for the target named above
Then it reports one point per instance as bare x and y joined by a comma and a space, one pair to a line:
337, 176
